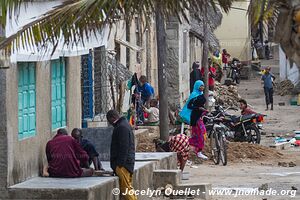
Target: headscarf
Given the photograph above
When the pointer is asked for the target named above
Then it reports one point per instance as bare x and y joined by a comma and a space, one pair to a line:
185, 114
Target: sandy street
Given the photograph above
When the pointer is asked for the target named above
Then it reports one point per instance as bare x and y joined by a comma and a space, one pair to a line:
249, 174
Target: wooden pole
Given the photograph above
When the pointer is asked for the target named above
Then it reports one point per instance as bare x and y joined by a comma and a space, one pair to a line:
162, 80
205, 55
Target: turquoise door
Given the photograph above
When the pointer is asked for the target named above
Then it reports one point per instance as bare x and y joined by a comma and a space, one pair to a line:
58, 86
26, 100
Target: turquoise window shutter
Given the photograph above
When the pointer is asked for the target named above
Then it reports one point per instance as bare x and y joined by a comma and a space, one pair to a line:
58, 87
26, 100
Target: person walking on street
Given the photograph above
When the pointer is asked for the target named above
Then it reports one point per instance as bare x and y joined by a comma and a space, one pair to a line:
122, 153
267, 80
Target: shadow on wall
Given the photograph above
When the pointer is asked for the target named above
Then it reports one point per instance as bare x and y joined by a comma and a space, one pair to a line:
101, 138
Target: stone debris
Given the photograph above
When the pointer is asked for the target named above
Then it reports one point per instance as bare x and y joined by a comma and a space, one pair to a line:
294, 188
285, 164
226, 96
264, 187
284, 88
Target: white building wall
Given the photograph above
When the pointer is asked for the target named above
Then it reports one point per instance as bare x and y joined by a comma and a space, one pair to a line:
234, 32
288, 71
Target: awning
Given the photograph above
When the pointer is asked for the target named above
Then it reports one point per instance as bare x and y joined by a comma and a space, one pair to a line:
129, 45
32, 11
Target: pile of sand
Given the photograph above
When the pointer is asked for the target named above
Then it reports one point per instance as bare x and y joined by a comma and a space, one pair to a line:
237, 152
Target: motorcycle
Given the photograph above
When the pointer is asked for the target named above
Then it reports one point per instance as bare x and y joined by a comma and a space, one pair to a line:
244, 128
234, 73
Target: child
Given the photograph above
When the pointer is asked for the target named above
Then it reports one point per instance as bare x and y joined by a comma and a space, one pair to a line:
153, 113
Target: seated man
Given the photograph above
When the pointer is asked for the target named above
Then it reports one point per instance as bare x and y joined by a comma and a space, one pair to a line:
64, 156
89, 149
153, 113
179, 144
244, 108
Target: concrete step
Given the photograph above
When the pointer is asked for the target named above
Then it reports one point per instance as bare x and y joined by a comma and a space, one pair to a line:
199, 191
141, 132
152, 129
163, 177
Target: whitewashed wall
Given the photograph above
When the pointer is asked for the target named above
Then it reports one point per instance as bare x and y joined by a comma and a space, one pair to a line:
286, 70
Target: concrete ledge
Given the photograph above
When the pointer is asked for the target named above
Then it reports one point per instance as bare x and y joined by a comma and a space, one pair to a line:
203, 189
90, 188
163, 177
163, 160
62, 188
152, 129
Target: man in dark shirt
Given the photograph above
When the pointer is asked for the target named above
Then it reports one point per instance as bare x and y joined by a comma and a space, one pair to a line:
122, 152
89, 149
64, 156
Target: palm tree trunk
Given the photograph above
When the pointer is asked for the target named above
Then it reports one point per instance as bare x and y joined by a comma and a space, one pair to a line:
205, 55
162, 81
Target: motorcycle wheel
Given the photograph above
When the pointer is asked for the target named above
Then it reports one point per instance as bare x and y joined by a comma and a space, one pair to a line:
237, 80
253, 134
214, 146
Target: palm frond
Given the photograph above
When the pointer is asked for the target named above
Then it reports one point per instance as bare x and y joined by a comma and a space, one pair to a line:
265, 10
77, 19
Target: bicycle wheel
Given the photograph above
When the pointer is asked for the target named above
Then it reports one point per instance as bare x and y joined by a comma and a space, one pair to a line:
223, 147
214, 146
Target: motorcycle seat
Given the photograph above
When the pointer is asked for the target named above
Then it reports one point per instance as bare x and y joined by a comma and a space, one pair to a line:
247, 117
236, 119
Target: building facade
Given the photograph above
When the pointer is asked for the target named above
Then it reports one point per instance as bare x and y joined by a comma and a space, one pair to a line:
234, 33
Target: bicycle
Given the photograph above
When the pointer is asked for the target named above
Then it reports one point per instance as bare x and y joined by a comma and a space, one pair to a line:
218, 142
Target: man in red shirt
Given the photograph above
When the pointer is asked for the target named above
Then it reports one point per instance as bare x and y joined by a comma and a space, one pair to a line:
244, 108
64, 156
211, 75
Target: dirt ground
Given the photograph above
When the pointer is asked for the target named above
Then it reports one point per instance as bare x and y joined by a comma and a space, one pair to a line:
256, 170
253, 166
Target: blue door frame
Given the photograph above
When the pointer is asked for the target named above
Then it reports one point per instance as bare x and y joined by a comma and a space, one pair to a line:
87, 82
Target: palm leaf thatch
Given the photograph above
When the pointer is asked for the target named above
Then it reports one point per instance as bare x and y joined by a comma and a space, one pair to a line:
77, 19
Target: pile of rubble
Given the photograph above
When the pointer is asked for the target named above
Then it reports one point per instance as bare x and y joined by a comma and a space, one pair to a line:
226, 95
284, 88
